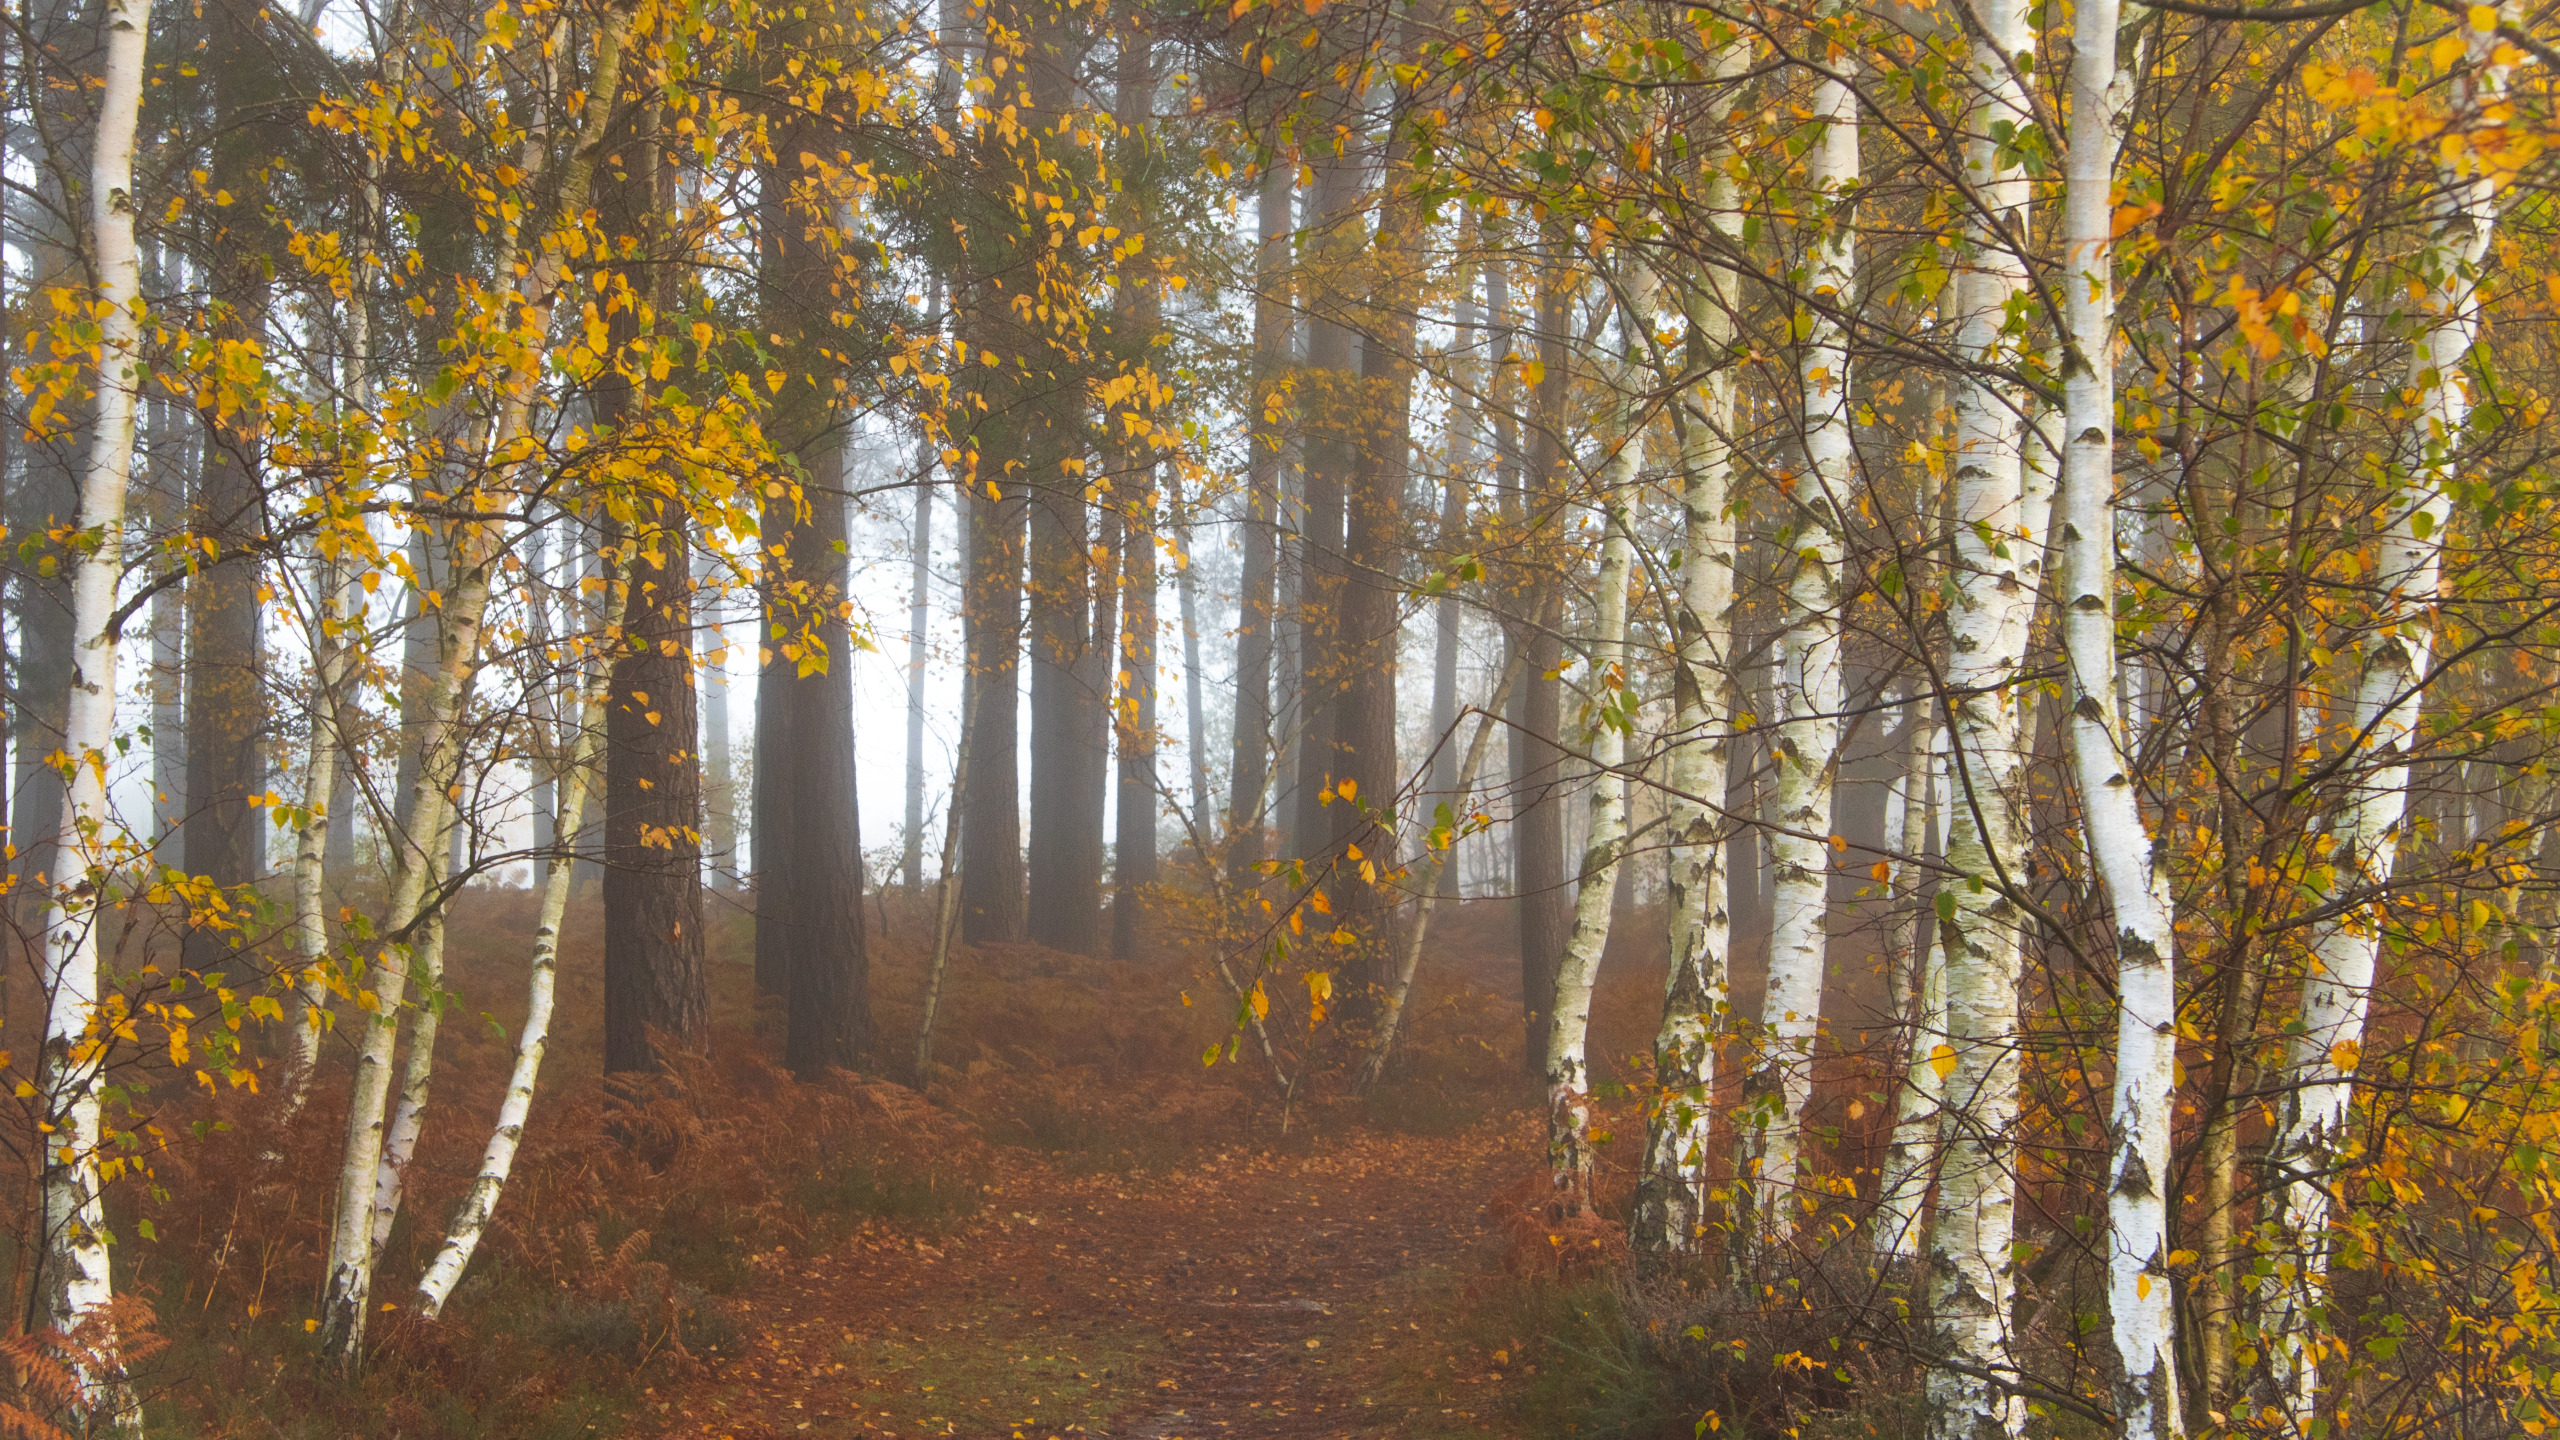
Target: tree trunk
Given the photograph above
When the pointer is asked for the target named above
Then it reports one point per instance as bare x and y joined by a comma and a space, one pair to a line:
1921, 996
2140, 1291
653, 938
919, 643
1331, 386
73, 1074
1671, 1190
2000, 510
2319, 1084
654, 977
1537, 763
1571, 1159
346, 1302
719, 762
497, 1158
991, 828
1134, 827
226, 693
1274, 334
1809, 687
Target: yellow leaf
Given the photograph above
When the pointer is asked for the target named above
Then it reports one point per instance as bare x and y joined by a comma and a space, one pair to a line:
1261, 1002
1942, 1058
1533, 371
1346, 787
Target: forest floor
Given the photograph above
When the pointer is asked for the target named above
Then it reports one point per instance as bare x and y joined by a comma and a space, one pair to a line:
1252, 1294
1066, 1225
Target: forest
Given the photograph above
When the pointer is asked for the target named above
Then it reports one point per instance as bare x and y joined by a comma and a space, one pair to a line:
1810, 718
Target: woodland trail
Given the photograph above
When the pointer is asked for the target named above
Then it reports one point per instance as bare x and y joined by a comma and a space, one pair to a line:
1252, 1295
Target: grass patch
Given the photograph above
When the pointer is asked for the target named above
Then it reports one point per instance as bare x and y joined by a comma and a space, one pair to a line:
932, 1201
999, 1373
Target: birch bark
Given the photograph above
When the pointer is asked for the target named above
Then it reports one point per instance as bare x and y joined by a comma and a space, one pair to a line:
2140, 1304
1809, 697
2001, 507
1904, 1183
1671, 1193
349, 1285
78, 1274
417, 1074
2311, 1119
341, 608
1569, 1154
497, 1159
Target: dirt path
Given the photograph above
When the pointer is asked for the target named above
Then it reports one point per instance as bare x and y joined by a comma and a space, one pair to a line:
1249, 1296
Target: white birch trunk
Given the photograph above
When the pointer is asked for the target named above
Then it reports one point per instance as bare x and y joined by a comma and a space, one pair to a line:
349, 1286
340, 609
78, 1275
417, 1077
1671, 1194
498, 1158
1569, 1153
2000, 509
1904, 1183
2140, 1303
1809, 693
2311, 1120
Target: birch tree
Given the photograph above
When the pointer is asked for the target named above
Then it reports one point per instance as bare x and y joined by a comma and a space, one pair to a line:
1670, 1213
79, 1275
2319, 1085
1808, 743
1612, 702
346, 1304
2001, 503
497, 1158
2140, 1295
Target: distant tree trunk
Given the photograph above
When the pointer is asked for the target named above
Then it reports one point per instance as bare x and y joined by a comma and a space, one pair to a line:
226, 695
166, 446
1134, 826
919, 625
719, 763
1546, 905
1373, 581
1449, 614
1065, 857
991, 830
542, 705
1274, 330
812, 877
810, 941
1195, 716
45, 499
1332, 399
